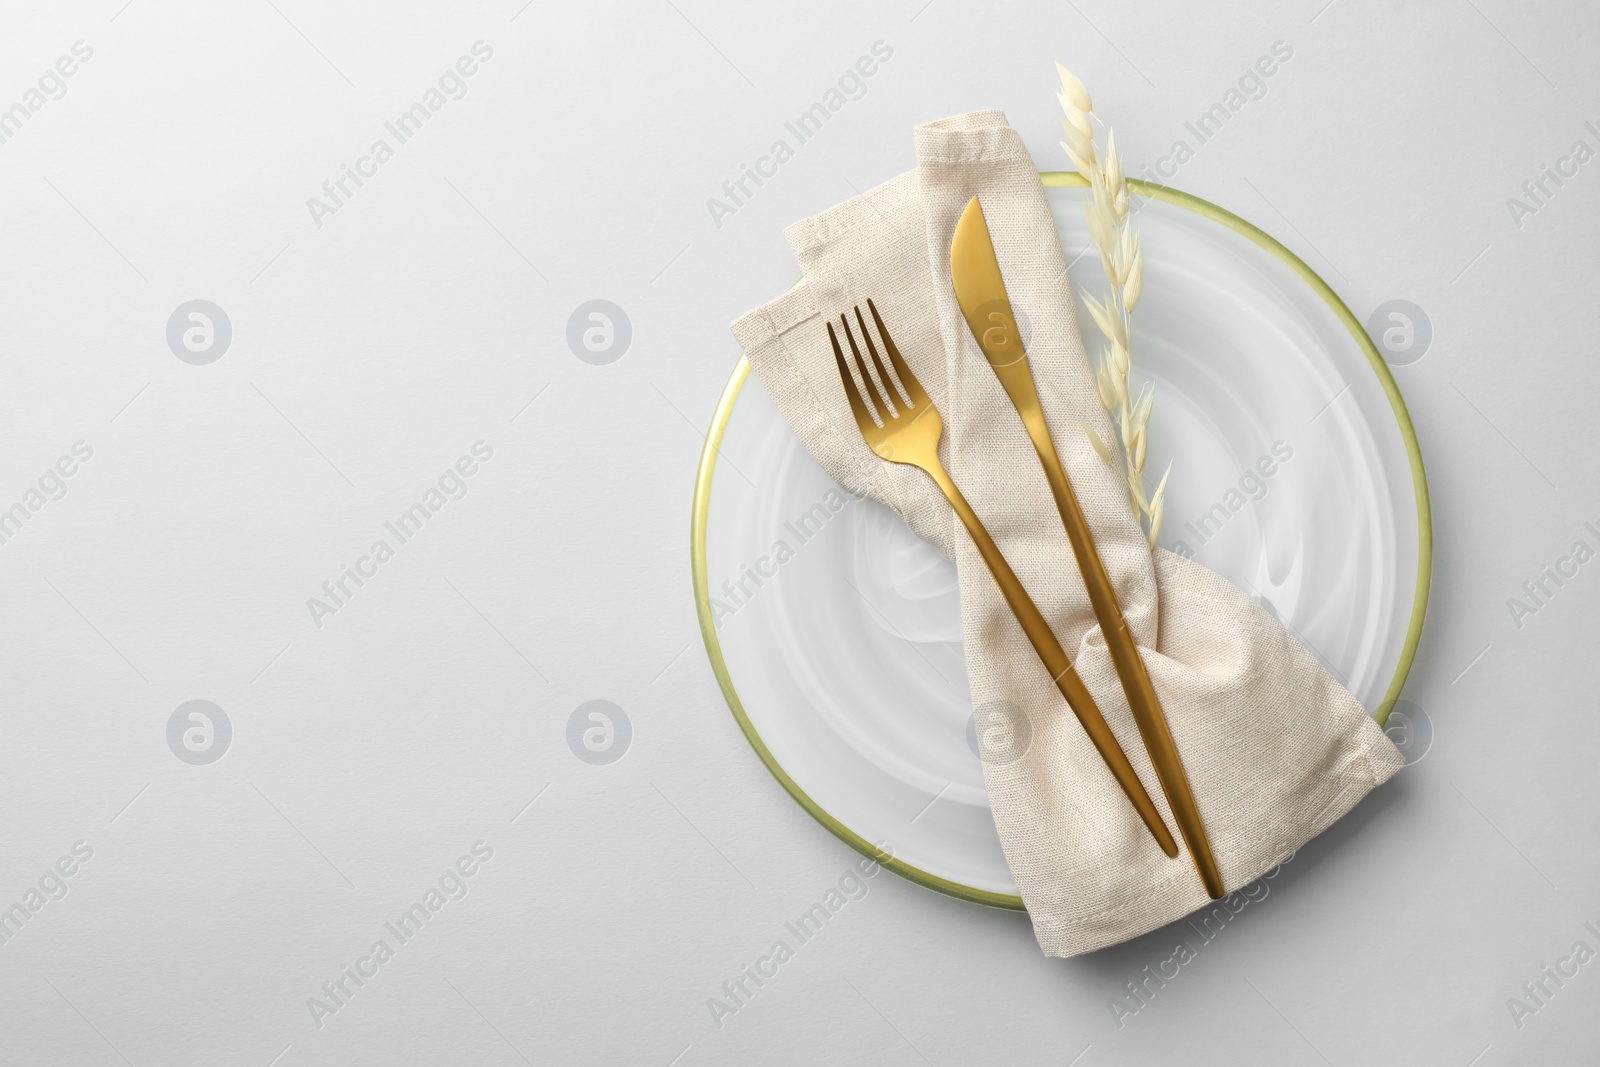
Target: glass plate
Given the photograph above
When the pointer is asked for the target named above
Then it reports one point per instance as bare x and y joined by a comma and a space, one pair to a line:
835, 632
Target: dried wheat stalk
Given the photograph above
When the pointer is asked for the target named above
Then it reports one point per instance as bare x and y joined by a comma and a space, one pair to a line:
1117, 239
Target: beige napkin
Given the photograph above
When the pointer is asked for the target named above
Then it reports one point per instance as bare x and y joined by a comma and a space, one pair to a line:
1276, 749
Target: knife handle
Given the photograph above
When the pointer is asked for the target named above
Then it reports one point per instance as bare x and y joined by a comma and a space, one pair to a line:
1017, 379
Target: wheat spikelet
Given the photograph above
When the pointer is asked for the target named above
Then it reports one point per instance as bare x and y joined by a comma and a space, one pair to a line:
1117, 240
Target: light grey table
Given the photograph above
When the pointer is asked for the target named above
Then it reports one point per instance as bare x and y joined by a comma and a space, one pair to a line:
386, 328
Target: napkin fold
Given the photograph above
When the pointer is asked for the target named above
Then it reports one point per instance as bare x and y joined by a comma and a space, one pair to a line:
1275, 748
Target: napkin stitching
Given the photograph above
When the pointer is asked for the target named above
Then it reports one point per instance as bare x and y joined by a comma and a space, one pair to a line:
983, 154
872, 473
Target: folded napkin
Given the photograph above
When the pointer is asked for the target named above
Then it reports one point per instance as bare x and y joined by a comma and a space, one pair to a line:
1276, 749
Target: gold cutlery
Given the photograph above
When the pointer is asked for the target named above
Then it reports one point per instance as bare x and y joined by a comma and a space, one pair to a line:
981, 293
905, 427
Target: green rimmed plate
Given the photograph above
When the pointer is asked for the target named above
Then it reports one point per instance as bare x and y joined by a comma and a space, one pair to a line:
835, 634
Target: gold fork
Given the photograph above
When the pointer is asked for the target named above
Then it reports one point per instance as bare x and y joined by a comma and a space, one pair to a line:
906, 429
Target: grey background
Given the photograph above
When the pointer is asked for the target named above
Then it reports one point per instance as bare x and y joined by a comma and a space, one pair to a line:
430, 712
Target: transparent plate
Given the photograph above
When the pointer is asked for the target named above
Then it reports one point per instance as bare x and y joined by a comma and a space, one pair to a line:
836, 633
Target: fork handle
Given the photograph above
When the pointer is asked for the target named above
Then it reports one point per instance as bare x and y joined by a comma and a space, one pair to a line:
1055, 661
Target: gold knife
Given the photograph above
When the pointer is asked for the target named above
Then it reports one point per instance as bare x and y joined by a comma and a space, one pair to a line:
981, 294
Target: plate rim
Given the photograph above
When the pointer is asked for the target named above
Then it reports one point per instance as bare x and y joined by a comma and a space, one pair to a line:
724, 411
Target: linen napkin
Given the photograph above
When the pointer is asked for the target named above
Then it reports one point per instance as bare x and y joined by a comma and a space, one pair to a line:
1275, 749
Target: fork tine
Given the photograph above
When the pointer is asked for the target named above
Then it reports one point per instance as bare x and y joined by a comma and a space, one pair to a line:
897, 397
913, 388
864, 417
884, 409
